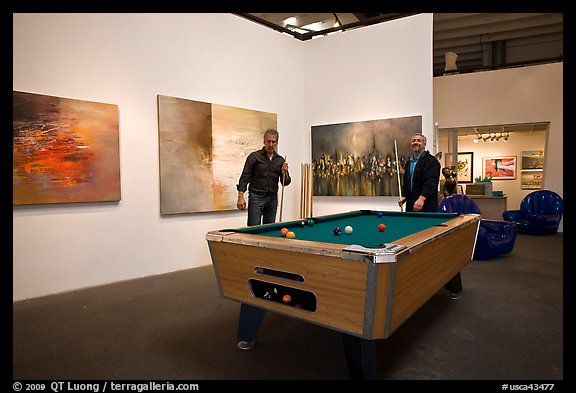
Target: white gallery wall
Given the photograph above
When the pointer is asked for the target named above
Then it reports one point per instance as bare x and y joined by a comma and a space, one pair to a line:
508, 96
379, 72
128, 59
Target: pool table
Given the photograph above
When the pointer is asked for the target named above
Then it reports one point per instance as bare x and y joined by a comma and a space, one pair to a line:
364, 284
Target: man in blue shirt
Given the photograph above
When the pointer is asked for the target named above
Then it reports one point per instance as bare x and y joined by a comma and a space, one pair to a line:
421, 178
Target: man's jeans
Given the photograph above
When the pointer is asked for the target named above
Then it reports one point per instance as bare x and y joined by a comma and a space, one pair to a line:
262, 208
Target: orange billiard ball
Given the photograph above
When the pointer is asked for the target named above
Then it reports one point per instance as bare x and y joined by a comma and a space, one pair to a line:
284, 231
287, 298
381, 227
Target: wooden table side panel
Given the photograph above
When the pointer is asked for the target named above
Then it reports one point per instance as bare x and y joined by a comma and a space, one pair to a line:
420, 275
383, 293
339, 285
421, 237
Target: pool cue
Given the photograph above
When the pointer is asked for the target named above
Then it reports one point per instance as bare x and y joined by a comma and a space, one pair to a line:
302, 196
398, 173
282, 197
311, 189
308, 189
305, 191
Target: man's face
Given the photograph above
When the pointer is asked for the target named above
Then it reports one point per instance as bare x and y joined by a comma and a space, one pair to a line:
417, 145
270, 144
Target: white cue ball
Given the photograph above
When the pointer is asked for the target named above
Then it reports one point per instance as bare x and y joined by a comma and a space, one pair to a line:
348, 229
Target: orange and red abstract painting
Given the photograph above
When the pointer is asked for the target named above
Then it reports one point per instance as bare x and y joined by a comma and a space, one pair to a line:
64, 150
499, 168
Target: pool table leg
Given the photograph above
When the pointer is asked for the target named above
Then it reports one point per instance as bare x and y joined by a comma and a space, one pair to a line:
360, 357
250, 319
454, 286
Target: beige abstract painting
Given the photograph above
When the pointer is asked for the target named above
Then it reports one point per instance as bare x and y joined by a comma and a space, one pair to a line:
203, 147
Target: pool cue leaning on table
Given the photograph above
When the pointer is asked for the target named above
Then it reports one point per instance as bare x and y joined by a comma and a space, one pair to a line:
398, 173
282, 194
302, 190
311, 188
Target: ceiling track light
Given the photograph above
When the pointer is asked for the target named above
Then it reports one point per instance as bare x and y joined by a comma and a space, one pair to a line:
492, 136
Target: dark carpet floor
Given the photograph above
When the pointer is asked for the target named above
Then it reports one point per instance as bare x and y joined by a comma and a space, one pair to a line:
507, 326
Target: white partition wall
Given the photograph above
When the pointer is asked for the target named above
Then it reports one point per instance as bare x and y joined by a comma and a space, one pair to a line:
377, 72
128, 59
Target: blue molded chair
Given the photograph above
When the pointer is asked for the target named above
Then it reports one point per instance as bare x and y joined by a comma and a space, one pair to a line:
494, 237
539, 214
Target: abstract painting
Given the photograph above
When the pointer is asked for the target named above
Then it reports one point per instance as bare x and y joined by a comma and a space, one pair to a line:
465, 167
64, 150
203, 147
499, 168
359, 158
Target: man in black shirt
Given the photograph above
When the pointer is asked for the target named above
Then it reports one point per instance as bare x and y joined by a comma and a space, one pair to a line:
262, 172
421, 178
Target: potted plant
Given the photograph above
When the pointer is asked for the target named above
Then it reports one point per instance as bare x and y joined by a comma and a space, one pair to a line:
487, 184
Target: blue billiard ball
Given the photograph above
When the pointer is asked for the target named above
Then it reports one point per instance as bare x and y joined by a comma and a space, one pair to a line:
337, 231
379, 214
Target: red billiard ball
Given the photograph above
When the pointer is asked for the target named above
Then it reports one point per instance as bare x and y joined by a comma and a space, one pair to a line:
381, 227
287, 298
284, 231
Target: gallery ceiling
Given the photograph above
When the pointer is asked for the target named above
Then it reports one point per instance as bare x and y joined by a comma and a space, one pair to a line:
481, 41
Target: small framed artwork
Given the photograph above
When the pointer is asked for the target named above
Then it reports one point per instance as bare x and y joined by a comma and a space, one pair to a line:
531, 180
465, 167
533, 159
499, 168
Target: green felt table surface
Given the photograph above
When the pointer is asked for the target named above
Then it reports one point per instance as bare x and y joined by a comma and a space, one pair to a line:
364, 225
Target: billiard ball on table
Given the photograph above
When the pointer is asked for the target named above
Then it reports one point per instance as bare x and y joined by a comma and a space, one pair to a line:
337, 231
381, 227
310, 222
284, 231
348, 229
291, 235
379, 214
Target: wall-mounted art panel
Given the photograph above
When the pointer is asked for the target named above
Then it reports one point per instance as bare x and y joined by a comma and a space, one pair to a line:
533, 159
64, 150
499, 168
531, 179
466, 167
203, 147
359, 158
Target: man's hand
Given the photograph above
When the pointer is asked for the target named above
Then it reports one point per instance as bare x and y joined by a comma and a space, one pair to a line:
241, 203
401, 201
419, 204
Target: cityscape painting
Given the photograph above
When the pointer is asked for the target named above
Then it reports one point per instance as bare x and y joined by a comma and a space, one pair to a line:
359, 158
